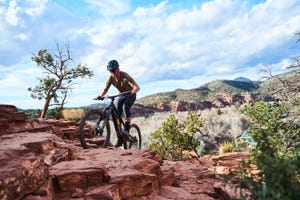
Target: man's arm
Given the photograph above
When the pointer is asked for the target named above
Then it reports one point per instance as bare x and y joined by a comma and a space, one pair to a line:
135, 89
103, 92
132, 82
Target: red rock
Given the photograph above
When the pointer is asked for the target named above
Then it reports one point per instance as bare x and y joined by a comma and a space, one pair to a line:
39, 159
7, 108
220, 102
3, 126
78, 174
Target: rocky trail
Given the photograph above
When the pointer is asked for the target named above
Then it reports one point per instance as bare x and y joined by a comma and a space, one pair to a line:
42, 159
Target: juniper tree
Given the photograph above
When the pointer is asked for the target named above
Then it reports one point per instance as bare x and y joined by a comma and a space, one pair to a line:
59, 77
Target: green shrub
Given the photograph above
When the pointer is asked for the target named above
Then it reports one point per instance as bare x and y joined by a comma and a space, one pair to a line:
226, 147
33, 113
277, 154
55, 113
174, 138
219, 112
243, 146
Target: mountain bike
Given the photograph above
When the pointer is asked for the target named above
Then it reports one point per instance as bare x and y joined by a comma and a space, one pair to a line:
95, 127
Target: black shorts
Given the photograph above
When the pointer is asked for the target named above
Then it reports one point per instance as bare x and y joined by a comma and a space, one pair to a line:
124, 104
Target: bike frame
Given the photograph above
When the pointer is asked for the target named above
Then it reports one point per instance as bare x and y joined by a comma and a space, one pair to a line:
103, 117
112, 111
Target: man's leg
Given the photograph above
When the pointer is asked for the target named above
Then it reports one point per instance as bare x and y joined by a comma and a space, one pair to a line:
127, 106
120, 111
120, 105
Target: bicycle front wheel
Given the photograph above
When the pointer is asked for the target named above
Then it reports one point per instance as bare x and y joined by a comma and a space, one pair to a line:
94, 130
134, 141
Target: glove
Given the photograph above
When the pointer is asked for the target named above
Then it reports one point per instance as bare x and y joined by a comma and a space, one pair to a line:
99, 97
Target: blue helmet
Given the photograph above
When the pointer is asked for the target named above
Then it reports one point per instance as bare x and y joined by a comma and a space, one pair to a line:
112, 65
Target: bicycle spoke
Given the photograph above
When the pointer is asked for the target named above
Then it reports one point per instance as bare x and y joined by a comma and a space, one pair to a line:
94, 131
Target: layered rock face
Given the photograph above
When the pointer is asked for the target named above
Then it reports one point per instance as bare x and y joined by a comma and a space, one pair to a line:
43, 159
221, 102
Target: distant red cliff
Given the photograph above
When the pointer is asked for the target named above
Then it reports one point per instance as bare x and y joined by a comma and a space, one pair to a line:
220, 102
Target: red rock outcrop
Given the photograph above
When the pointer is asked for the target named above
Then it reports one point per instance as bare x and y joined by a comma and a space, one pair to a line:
219, 102
42, 159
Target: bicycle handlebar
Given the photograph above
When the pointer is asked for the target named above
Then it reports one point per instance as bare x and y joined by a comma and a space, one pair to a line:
113, 96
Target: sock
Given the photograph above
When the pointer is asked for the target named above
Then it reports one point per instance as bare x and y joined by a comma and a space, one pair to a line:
127, 126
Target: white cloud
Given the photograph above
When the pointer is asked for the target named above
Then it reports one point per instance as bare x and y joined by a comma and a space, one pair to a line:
145, 13
11, 15
36, 7
21, 36
161, 45
218, 37
110, 8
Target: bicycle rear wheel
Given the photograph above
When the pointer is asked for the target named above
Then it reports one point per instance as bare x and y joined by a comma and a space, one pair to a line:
94, 130
134, 141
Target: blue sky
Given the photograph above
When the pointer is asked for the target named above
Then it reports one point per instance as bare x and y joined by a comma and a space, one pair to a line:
164, 45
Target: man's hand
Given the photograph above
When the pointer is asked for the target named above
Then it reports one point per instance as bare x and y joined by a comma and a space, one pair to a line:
99, 97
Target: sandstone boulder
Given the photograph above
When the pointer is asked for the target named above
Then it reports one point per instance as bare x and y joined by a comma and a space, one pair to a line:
41, 159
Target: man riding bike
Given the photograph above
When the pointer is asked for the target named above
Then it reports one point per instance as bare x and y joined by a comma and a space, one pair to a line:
123, 82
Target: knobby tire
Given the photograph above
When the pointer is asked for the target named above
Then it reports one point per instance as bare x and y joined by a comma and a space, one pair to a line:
135, 132
94, 130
